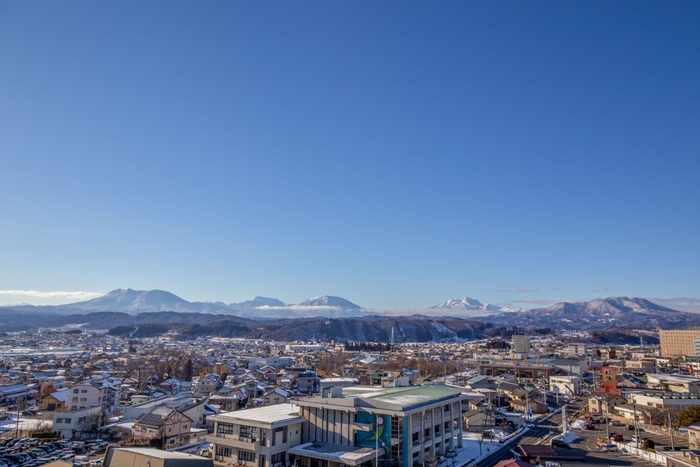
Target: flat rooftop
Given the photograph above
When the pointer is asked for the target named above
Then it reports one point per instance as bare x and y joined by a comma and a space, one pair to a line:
408, 397
158, 453
271, 414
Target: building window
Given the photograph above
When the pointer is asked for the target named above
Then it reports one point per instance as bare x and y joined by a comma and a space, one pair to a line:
84, 391
248, 432
276, 458
246, 456
75, 391
223, 451
224, 428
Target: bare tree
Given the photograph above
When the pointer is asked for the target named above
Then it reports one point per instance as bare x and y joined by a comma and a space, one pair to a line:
46, 389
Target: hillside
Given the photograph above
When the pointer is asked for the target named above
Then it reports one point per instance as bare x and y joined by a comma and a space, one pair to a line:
605, 313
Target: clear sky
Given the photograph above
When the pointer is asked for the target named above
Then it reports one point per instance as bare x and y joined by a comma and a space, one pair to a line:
397, 154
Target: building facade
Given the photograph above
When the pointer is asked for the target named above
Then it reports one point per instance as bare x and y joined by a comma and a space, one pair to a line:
402, 426
676, 343
259, 437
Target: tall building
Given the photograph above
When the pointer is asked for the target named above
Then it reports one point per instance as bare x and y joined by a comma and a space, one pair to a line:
399, 426
576, 349
677, 343
521, 343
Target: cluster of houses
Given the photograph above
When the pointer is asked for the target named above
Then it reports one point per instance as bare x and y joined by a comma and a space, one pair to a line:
268, 404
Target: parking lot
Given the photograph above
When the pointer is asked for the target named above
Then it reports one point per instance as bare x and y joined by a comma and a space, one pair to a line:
32, 452
593, 452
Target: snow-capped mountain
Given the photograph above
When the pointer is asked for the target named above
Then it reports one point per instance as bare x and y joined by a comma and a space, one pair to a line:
600, 314
330, 301
467, 303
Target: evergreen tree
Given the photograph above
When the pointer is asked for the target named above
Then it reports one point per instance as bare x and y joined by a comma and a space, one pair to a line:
689, 416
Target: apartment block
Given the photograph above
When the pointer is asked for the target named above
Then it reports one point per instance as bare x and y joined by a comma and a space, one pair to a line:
676, 343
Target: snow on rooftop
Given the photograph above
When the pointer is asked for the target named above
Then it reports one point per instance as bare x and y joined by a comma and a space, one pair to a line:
270, 414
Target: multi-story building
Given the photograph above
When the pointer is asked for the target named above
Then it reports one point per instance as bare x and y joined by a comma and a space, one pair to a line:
570, 385
259, 437
169, 425
521, 343
340, 427
676, 343
664, 401
91, 393
673, 383
208, 384
402, 426
645, 365
575, 349
74, 423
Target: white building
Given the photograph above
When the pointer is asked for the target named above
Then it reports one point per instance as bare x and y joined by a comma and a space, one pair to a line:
575, 349
258, 437
74, 424
92, 393
570, 385
664, 401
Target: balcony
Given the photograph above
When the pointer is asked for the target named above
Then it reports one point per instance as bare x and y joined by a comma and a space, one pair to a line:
236, 441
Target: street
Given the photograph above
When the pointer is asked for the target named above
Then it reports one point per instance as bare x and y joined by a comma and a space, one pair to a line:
585, 448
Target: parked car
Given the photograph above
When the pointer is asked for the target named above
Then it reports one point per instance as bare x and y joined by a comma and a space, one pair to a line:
608, 448
617, 438
558, 443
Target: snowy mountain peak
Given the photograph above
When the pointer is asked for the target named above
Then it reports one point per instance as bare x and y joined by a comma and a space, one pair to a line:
328, 300
467, 303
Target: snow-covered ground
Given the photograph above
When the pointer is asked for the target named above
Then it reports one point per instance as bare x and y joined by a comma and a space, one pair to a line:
25, 424
471, 448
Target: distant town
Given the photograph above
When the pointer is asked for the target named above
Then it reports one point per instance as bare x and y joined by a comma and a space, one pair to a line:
89, 397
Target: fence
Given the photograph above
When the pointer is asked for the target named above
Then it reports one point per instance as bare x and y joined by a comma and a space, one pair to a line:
657, 457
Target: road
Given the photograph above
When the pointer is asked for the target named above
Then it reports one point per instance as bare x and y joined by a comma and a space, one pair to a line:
586, 448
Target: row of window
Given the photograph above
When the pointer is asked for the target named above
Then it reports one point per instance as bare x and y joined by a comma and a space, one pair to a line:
64, 420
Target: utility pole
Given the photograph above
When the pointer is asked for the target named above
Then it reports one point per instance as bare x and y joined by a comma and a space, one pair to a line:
636, 424
17, 426
670, 429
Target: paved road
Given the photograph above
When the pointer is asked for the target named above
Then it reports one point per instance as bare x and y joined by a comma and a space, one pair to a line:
532, 436
586, 448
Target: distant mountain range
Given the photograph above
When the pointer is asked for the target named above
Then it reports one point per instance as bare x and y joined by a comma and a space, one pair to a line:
150, 301
467, 304
612, 312
140, 308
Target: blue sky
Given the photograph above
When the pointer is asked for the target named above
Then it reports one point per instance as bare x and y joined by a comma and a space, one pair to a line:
397, 154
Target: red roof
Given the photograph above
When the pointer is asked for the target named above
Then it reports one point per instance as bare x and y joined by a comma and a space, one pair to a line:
513, 463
